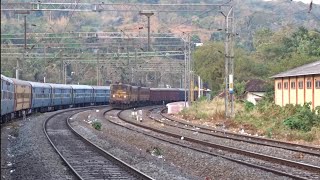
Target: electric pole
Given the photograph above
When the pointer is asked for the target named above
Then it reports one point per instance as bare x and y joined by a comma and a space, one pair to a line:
25, 40
229, 62
148, 14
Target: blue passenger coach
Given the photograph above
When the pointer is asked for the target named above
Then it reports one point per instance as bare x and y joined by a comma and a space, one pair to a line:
101, 94
7, 98
41, 97
61, 96
82, 95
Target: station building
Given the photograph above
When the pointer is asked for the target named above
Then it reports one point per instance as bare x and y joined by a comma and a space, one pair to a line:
298, 86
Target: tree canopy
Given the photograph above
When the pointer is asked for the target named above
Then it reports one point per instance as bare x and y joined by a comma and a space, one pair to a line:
274, 52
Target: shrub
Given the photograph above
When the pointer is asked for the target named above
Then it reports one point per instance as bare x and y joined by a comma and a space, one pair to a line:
202, 98
248, 106
304, 119
97, 125
317, 109
239, 88
156, 151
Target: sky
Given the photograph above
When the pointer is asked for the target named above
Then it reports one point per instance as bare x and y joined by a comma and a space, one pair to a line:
304, 1
308, 1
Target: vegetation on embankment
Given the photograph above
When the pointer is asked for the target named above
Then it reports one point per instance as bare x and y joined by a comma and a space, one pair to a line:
290, 123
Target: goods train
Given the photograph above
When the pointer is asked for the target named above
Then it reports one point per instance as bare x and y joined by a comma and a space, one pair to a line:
125, 96
24, 97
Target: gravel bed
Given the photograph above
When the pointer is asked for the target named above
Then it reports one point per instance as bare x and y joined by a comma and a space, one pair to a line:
272, 151
174, 162
292, 170
27, 154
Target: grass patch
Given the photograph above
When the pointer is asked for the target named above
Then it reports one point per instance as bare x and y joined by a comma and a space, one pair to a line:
155, 151
292, 122
97, 125
205, 110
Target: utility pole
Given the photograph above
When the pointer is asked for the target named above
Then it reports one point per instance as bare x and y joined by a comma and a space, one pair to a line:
190, 99
25, 32
148, 14
25, 40
45, 63
65, 72
98, 68
199, 87
185, 73
61, 69
229, 62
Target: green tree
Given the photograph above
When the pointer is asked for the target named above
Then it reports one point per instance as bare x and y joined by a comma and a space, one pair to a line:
209, 64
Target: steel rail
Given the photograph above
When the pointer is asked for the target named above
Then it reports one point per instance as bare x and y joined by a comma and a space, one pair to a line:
110, 156
275, 171
128, 168
268, 158
239, 137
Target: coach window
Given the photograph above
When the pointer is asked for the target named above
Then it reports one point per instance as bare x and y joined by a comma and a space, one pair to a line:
309, 84
285, 85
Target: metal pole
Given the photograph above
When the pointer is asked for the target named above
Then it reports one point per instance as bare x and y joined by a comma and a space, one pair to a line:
61, 71
45, 64
148, 14
25, 32
229, 67
98, 68
189, 71
185, 74
65, 73
17, 68
44, 52
148, 33
226, 101
232, 59
199, 87
25, 47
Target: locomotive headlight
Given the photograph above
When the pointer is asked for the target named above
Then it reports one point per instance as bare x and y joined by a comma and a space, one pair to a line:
113, 95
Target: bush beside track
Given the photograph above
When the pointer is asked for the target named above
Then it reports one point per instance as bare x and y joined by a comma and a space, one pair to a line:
290, 123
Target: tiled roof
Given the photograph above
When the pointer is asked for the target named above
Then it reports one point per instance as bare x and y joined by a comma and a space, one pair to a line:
256, 85
308, 69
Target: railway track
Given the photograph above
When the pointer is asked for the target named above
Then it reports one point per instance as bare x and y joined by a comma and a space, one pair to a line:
85, 159
174, 122
272, 164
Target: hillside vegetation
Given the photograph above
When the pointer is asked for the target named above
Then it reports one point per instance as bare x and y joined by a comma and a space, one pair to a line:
266, 36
